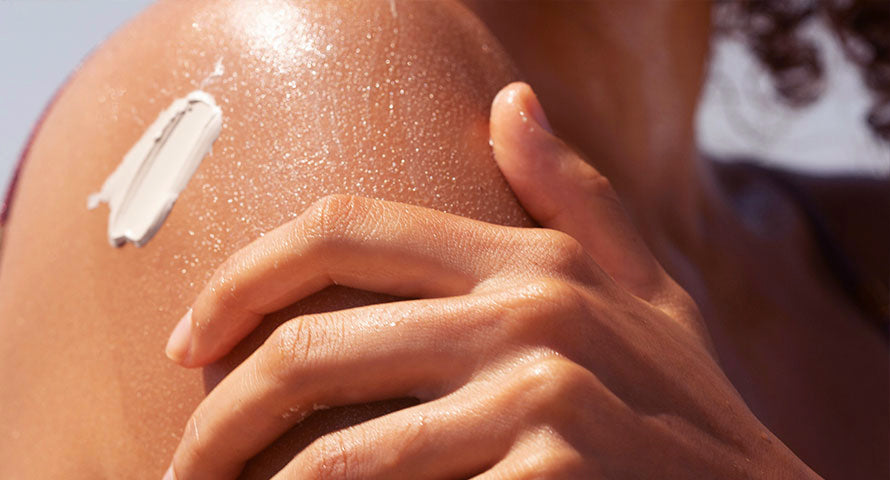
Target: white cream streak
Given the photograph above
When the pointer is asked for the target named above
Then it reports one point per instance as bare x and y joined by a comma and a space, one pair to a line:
143, 188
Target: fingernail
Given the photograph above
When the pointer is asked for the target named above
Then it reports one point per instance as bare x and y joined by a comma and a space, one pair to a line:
169, 474
536, 111
180, 339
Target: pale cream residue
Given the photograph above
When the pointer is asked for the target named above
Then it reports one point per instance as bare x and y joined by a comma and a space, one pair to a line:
144, 187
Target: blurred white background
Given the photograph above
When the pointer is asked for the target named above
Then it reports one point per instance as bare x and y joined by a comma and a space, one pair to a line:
42, 41
740, 114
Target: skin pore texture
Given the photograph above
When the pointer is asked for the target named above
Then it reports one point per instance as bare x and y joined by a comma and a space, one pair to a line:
313, 104
353, 98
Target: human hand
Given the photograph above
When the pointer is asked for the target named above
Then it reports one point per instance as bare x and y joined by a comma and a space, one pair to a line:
562, 352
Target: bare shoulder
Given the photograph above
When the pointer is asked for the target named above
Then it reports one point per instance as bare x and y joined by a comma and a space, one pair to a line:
378, 99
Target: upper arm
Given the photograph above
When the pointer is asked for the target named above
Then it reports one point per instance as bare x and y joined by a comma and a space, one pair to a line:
317, 98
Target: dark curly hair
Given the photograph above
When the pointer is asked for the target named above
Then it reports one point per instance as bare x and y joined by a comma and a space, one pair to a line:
771, 29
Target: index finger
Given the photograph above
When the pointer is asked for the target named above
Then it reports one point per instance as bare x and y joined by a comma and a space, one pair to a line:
373, 245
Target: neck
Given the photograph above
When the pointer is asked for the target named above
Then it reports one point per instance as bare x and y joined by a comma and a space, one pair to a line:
620, 81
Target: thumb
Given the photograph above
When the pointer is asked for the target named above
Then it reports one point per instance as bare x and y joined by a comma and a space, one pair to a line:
563, 192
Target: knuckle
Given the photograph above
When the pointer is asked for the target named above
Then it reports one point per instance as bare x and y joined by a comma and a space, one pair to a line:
564, 246
556, 462
562, 295
329, 217
297, 346
561, 254
553, 300
330, 457
552, 381
413, 438
596, 184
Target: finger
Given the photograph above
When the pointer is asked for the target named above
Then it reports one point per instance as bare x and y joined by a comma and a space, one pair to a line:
562, 191
419, 349
367, 244
453, 437
541, 454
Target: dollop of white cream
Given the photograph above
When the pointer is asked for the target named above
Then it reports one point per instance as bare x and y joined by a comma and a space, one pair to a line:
142, 190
